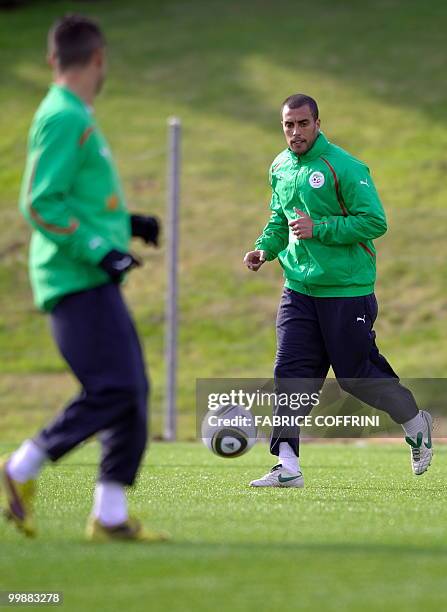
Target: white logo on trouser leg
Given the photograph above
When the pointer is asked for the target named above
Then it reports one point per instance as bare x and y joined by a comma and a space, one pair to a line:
362, 318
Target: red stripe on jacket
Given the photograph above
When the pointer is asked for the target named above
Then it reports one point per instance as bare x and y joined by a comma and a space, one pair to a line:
344, 210
56, 229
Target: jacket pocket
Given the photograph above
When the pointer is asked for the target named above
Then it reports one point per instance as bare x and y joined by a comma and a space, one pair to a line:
363, 264
329, 266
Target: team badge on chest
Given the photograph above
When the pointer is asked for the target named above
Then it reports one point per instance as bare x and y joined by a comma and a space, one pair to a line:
316, 180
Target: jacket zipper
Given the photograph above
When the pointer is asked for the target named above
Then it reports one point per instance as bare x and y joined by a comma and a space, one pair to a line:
302, 242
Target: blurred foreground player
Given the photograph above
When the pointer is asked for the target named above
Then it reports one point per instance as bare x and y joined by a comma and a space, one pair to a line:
72, 197
325, 214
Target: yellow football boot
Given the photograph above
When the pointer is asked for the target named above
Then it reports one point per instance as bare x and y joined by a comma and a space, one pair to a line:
130, 531
19, 501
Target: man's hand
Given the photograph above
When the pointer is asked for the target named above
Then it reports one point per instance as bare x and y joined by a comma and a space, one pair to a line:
145, 227
254, 260
302, 227
117, 263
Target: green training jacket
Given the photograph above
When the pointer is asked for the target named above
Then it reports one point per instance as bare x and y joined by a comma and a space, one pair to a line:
72, 197
337, 192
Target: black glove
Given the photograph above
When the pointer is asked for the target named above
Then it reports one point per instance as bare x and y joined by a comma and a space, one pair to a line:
116, 264
145, 227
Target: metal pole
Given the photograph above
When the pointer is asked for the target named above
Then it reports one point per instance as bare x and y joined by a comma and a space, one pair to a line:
173, 193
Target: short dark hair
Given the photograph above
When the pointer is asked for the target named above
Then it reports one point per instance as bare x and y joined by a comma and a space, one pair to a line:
73, 39
299, 100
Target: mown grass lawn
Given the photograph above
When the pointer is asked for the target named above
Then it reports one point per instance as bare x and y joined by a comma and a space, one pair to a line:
363, 534
377, 70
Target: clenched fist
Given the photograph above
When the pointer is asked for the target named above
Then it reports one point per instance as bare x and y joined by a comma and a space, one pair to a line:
254, 260
303, 226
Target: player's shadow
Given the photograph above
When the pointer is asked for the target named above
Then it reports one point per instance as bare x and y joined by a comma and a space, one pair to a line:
318, 547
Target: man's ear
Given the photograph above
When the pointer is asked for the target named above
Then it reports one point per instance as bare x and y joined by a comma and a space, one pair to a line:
99, 57
51, 59
318, 123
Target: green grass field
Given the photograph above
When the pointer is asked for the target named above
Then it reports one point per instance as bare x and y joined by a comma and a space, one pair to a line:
223, 66
363, 534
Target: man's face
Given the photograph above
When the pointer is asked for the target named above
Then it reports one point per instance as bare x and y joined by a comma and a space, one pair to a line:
300, 128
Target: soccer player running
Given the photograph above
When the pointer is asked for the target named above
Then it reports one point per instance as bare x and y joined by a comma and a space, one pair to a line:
72, 197
325, 214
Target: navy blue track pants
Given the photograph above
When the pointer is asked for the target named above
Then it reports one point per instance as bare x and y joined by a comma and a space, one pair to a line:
314, 333
96, 336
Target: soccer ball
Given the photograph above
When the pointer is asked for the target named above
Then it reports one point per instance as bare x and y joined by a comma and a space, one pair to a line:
228, 431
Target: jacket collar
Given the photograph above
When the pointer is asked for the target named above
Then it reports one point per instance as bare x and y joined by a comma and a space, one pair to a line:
317, 149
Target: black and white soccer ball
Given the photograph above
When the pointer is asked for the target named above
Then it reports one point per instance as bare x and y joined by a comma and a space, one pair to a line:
229, 431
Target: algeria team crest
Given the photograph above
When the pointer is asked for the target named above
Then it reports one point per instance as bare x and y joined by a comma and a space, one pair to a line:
316, 180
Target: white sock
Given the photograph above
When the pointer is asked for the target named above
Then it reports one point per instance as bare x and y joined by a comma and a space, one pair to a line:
26, 462
414, 425
110, 505
287, 457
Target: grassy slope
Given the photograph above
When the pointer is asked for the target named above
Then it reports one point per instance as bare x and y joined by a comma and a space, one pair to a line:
363, 533
223, 67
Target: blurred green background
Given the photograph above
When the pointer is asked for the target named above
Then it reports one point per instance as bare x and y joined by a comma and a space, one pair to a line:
377, 69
